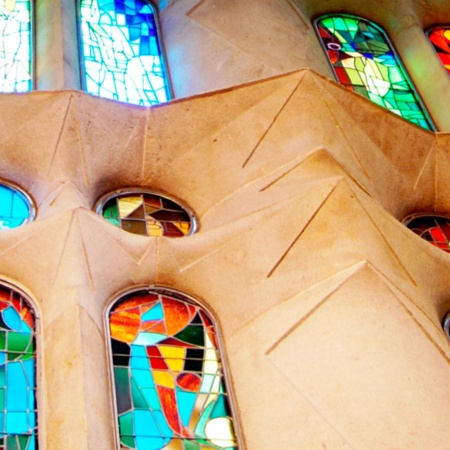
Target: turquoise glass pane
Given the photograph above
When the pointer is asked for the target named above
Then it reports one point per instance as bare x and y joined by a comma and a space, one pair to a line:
15, 38
121, 53
364, 61
15, 208
170, 389
18, 424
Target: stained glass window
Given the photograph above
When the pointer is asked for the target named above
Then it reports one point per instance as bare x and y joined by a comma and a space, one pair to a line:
440, 38
121, 51
364, 61
446, 325
168, 376
15, 46
18, 414
16, 207
147, 213
434, 228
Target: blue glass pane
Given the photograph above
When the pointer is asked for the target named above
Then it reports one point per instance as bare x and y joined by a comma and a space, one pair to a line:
15, 38
121, 51
14, 207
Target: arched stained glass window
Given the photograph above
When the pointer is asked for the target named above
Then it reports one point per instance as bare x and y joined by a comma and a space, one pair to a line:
434, 228
16, 207
18, 414
440, 39
168, 376
364, 61
15, 38
121, 51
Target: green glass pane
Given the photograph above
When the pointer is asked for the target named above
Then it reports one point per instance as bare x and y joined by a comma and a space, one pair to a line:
2, 340
138, 399
12, 443
111, 213
220, 408
192, 334
126, 424
364, 60
19, 342
128, 441
191, 445
23, 442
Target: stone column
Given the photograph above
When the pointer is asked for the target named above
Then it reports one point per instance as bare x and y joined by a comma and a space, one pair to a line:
56, 46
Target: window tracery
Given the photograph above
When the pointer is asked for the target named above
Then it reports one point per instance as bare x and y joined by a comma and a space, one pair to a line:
440, 39
365, 62
16, 49
434, 228
168, 374
18, 412
121, 51
147, 213
16, 206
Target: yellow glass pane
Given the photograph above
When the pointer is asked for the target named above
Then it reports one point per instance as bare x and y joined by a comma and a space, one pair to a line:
174, 357
184, 227
128, 204
200, 404
154, 228
175, 444
164, 378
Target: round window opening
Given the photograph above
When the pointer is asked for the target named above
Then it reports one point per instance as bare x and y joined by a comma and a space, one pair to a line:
147, 213
16, 206
446, 325
433, 227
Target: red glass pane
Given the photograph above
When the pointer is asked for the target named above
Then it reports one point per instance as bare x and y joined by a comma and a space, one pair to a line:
440, 39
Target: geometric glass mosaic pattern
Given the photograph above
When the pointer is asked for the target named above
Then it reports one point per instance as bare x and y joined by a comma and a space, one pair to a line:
18, 414
147, 213
15, 46
440, 38
121, 52
15, 207
364, 61
434, 228
168, 376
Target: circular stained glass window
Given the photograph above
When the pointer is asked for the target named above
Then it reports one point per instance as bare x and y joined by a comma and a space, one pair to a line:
433, 227
16, 207
147, 213
446, 325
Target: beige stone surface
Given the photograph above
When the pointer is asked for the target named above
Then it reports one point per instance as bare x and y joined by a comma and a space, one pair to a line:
329, 309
